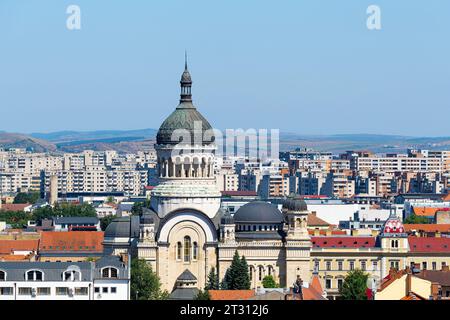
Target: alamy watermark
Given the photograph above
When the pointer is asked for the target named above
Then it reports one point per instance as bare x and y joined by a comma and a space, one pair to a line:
73, 21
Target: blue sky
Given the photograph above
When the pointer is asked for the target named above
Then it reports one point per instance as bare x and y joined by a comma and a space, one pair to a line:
308, 66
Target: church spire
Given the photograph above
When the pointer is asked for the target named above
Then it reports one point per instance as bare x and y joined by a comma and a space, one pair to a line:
186, 83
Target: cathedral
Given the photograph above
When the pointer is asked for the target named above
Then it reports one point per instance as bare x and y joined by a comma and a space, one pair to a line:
185, 233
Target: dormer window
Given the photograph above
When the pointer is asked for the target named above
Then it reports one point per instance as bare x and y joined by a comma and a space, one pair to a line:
109, 272
34, 275
71, 275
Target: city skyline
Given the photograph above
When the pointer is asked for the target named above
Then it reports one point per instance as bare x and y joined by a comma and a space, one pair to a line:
288, 67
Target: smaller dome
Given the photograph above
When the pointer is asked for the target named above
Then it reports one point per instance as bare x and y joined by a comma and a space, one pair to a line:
393, 225
295, 204
259, 212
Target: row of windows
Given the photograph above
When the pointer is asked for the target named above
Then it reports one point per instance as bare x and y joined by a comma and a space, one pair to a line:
188, 250
258, 228
44, 291
351, 264
261, 272
69, 275
105, 290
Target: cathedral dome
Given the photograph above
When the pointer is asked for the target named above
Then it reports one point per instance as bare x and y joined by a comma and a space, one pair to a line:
295, 204
259, 212
185, 117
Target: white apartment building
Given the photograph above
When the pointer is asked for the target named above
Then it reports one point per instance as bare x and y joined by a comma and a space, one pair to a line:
106, 279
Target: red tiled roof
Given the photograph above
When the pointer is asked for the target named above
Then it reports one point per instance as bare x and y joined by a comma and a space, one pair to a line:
8, 246
71, 241
343, 242
314, 220
324, 232
428, 244
239, 193
427, 227
427, 211
14, 206
231, 294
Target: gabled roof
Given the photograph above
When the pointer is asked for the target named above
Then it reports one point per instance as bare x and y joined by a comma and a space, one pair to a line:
314, 220
343, 242
79, 241
428, 244
186, 276
14, 206
231, 294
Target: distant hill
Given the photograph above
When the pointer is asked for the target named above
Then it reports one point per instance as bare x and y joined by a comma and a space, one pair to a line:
17, 140
143, 139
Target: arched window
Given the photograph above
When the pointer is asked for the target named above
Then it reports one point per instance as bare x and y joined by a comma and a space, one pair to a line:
34, 275
71, 275
251, 269
179, 248
187, 249
254, 228
195, 251
260, 273
269, 270
2, 275
109, 272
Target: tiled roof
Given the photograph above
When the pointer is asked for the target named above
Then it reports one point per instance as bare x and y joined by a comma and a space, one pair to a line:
90, 241
324, 232
231, 294
441, 277
428, 244
427, 211
343, 242
14, 206
8, 246
427, 227
314, 220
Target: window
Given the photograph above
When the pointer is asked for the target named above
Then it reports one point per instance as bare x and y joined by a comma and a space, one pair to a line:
316, 265
352, 265
394, 264
34, 275
327, 283
179, 248
97, 290
24, 291
187, 249
82, 291
62, 291
71, 275
195, 251
2, 275
363, 265
340, 265
261, 272
424, 265
433, 265
328, 265
109, 272
43, 291
374, 265
6, 291
339, 283
250, 272
442, 265
113, 290
105, 290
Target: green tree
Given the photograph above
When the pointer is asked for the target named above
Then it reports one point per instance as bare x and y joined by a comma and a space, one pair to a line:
30, 197
110, 199
138, 206
213, 280
354, 286
145, 284
202, 295
237, 276
105, 221
17, 219
269, 282
64, 209
416, 219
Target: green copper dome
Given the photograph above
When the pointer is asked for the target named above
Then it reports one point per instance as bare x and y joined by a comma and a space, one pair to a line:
185, 117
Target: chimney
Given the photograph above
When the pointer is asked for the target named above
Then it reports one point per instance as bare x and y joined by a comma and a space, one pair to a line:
445, 268
314, 213
316, 232
328, 232
434, 291
408, 284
